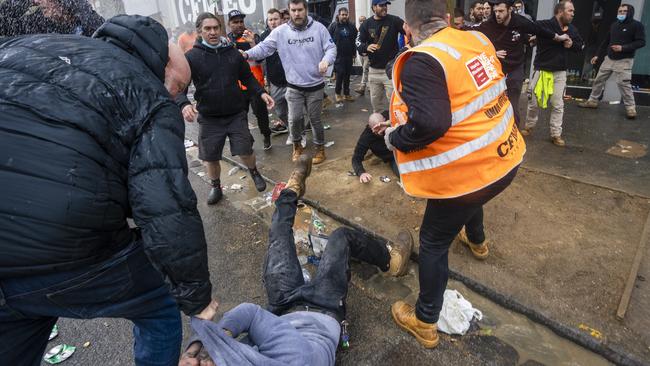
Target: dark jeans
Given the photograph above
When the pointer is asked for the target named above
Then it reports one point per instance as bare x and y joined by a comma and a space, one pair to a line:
514, 83
343, 68
260, 112
124, 286
443, 220
283, 280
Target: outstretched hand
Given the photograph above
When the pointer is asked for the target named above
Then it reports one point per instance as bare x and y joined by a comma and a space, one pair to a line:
195, 355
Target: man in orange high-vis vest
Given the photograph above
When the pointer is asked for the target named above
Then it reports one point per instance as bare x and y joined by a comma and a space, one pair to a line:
244, 40
456, 144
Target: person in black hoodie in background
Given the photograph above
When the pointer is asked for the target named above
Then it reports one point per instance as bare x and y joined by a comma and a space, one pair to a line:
222, 109
344, 35
19, 17
275, 76
90, 137
617, 52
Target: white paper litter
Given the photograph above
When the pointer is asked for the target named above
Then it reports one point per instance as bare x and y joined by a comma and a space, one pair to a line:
456, 313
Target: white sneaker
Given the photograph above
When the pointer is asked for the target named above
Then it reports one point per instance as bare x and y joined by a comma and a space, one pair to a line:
289, 140
303, 141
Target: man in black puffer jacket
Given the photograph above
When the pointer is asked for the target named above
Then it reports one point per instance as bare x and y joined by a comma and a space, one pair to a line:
89, 137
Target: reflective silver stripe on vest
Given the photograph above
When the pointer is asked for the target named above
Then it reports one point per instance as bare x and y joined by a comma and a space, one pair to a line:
479, 102
444, 48
479, 37
460, 151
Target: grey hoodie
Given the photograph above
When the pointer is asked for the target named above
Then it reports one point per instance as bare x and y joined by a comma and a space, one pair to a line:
300, 51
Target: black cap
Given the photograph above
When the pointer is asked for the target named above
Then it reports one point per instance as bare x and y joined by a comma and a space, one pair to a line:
236, 14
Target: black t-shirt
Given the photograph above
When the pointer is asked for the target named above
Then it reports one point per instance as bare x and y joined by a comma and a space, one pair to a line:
383, 32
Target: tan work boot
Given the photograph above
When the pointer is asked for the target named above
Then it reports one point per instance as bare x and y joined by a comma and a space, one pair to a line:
297, 151
480, 251
339, 98
299, 175
319, 154
425, 333
588, 104
349, 98
327, 102
630, 113
400, 252
526, 131
557, 141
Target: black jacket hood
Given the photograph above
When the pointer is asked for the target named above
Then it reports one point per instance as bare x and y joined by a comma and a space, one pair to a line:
630, 13
140, 36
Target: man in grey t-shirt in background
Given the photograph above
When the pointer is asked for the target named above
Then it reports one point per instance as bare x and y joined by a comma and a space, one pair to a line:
306, 51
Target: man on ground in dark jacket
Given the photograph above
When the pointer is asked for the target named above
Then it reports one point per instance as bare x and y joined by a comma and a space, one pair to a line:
275, 76
378, 39
625, 37
344, 35
18, 17
86, 144
552, 57
508, 32
372, 138
222, 109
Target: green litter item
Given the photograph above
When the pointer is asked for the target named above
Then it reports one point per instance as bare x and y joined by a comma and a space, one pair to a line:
59, 354
54, 332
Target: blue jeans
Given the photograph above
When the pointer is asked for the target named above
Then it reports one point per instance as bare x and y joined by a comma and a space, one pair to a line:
124, 286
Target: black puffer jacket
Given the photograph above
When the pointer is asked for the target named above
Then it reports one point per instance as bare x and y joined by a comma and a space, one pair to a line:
88, 137
20, 17
629, 33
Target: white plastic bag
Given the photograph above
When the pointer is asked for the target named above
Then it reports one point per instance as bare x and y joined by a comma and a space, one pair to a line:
456, 313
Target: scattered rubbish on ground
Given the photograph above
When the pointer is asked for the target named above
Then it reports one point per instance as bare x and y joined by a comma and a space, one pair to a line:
628, 149
305, 275
351, 173
317, 223
592, 332
357, 218
615, 102
236, 187
329, 143
303, 260
485, 332
384, 178
105, 324
86, 345
300, 237
456, 313
400, 184
326, 127
201, 174
345, 337
258, 203
188, 143
59, 354
232, 171
317, 244
313, 260
242, 177
417, 228
54, 332
338, 105
364, 110
268, 197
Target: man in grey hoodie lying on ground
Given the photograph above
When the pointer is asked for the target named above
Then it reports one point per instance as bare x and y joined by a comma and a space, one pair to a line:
302, 325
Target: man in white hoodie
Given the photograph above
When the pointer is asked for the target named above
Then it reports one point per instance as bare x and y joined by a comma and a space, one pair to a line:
306, 50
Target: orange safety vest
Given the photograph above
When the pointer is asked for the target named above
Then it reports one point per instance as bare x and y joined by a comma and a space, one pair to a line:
256, 69
483, 143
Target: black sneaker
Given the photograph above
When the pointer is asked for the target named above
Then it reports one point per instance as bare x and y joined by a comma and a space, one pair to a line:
215, 195
279, 129
260, 184
267, 142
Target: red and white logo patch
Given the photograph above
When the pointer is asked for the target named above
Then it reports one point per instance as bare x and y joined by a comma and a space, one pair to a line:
482, 70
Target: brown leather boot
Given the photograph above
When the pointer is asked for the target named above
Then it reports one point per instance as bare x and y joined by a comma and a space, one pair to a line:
319, 154
425, 333
400, 252
299, 175
480, 251
297, 151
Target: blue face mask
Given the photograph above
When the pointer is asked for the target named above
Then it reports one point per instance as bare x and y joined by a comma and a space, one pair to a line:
621, 18
206, 44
